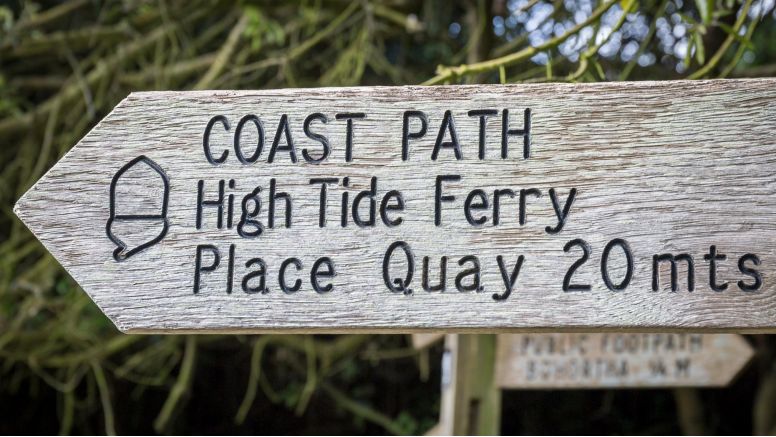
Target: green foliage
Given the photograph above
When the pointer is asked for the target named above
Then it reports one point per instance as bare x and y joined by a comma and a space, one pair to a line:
261, 30
705, 10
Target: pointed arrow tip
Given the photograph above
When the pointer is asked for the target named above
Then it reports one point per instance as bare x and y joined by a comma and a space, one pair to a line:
21, 210
25, 211
741, 356
19, 206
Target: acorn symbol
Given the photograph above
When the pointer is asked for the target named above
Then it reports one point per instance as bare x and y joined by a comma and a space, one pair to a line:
139, 193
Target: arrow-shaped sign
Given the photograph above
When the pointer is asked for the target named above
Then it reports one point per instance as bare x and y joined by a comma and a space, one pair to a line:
601, 206
618, 360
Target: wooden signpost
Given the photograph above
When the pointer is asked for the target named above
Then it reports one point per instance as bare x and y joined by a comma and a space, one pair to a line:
476, 367
617, 360
471, 401
617, 206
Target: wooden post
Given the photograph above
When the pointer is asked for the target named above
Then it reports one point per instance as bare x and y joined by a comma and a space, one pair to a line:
471, 401
689, 409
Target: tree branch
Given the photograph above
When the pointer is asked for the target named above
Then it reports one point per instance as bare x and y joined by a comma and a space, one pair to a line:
445, 74
703, 71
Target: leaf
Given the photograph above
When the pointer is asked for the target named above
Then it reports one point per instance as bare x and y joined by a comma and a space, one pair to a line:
705, 9
6, 18
688, 19
700, 52
720, 13
627, 5
726, 28
740, 38
548, 67
688, 53
599, 69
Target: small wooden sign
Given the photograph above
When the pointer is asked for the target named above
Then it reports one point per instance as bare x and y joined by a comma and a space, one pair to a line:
618, 360
640, 206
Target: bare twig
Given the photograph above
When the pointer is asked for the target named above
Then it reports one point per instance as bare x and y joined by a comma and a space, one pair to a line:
312, 376
741, 48
253, 379
224, 54
450, 73
592, 50
703, 71
107, 407
181, 385
45, 17
661, 10
362, 410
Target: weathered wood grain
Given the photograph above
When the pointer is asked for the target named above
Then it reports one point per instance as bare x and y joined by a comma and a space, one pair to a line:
619, 360
669, 167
